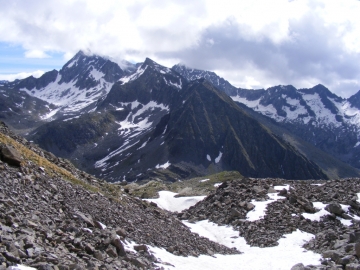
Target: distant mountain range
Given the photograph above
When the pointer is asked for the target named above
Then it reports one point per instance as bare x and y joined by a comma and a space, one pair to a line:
329, 122
143, 121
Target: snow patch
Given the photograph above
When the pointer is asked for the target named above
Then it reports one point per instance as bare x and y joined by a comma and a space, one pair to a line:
260, 207
97, 75
163, 166
288, 253
134, 76
21, 267
169, 202
217, 159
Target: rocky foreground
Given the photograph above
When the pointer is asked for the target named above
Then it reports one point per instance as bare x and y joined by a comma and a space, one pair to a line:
337, 233
53, 219
53, 216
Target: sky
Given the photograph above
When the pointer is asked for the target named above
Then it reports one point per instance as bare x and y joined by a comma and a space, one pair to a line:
252, 44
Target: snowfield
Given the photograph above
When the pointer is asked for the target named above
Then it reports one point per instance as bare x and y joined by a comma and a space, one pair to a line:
288, 253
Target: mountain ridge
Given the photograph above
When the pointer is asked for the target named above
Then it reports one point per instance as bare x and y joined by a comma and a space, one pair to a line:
154, 123
317, 115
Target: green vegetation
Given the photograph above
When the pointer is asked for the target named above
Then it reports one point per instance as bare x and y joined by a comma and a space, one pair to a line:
192, 187
53, 170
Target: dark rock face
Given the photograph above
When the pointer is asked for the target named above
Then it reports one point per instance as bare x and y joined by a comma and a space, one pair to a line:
355, 100
38, 83
20, 110
50, 223
208, 128
312, 114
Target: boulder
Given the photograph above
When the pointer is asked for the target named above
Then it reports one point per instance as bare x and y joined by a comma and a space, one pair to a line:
298, 266
334, 208
10, 155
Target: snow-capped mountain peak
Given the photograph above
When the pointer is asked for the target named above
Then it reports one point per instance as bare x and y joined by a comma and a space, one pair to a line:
170, 77
82, 81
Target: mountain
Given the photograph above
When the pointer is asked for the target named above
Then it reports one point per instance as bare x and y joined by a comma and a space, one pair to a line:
316, 115
153, 123
80, 83
102, 140
22, 111
193, 74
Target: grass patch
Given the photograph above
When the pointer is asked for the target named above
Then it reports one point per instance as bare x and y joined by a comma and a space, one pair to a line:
192, 187
50, 168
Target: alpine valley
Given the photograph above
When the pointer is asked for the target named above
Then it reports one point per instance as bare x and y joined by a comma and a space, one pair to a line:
146, 121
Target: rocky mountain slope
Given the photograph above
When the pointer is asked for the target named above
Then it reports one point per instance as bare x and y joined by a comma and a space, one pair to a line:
320, 117
57, 217
22, 111
54, 216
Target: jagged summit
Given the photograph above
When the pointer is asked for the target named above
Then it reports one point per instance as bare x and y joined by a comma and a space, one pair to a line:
193, 74
79, 83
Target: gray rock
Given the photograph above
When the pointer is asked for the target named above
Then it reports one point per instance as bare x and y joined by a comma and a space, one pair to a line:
333, 255
119, 245
249, 206
352, 266
334, 208
357, 249
10, 155
298, 266
87, 219
111, 251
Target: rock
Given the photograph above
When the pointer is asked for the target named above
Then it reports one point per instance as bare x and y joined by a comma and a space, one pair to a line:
283, 192
99, 255
235, 213
272, 190
121, 232
259, 190
119, 245
298, 266
11, 257
249, 206
333, 255
334, 208
141, 248
99, 225
88, 220
346, 260
357, 249
10, 155
354, 237
111, 251
352, 266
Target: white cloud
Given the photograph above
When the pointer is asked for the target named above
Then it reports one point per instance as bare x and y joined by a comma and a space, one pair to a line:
135, 29
22, 75
36, 54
